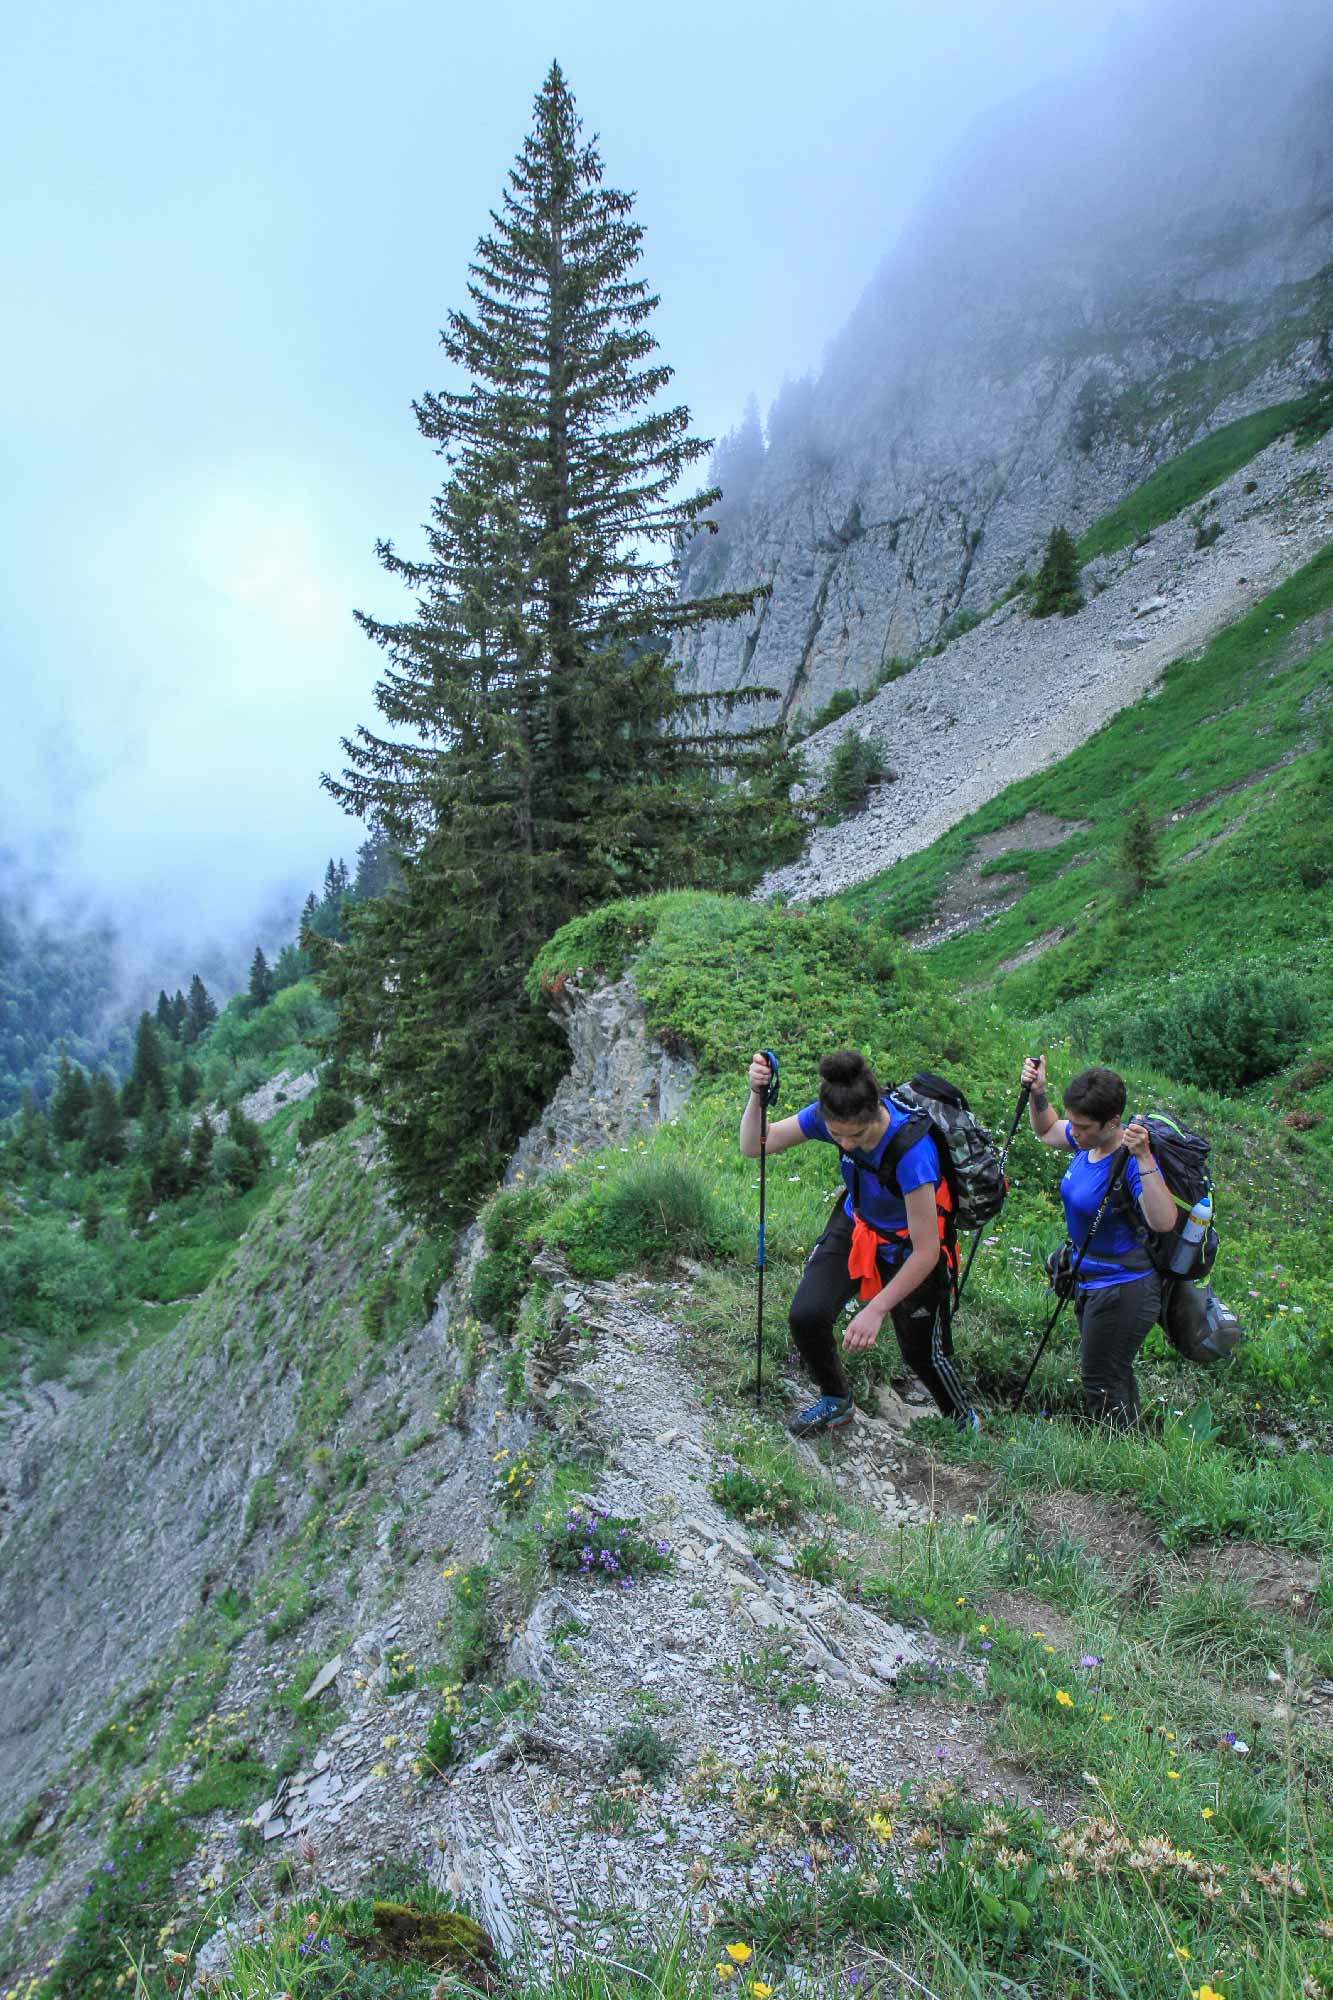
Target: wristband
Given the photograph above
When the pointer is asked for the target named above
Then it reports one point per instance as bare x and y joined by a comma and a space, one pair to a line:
1144, 1172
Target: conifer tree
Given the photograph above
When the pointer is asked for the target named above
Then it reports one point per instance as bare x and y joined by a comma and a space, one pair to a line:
146, 1078
290, 965
377, 868
104, 1140
138, 1200
200, 1011
165, 1017
1137, 852
168, 1171
202, 1140
180, 1012
540, 757
1056, 586
187, 1085
34, 1133
92, 1217
70, 1101
262, 987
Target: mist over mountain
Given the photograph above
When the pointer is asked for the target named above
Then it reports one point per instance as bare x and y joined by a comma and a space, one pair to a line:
1104, 272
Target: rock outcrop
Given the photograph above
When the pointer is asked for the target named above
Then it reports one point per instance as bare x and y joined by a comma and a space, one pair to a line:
1071, 308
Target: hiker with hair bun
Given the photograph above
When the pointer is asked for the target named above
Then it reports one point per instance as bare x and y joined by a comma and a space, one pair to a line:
883, 1239
1118, 1293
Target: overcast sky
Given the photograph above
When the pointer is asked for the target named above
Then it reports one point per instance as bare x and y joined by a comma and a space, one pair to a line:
234, 230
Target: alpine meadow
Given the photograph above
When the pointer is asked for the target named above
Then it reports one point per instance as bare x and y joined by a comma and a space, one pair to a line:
711, 1371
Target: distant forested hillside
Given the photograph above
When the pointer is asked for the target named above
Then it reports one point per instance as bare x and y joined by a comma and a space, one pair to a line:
56, 986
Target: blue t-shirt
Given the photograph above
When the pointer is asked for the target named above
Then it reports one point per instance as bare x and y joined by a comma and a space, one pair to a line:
1082, 1191
880, 1206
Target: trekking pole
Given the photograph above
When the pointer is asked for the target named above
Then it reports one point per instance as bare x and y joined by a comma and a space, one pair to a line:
1023, 1097
770, 1096
1120, 1160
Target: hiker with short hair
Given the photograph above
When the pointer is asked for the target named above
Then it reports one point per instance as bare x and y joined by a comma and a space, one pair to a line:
1118, 1294
883, 1239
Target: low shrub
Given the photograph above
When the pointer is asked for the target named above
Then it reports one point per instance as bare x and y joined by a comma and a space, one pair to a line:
644, 1749
1231, 1031
855, 766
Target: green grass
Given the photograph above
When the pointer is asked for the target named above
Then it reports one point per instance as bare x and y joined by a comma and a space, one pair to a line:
1192, 1492
1188, 478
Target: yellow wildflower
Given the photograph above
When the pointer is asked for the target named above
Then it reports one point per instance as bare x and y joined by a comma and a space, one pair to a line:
881, 1826
379, 1770
1207, 1992
760, 1990
451, 1571
960, 1601
1048, 1649
724, 1971
1173, 1774
983, 1629
1065, 1699
738, 1953
1207, 1812
1180, 1952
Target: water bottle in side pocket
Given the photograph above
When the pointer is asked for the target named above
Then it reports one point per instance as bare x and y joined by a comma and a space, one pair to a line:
1187, 1251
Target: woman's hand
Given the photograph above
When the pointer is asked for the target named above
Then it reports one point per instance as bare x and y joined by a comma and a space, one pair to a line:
1138, 1138
1034, 1073
863, 1331
761, 1074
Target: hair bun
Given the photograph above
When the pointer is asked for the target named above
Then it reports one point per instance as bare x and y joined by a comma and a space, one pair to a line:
844, 1066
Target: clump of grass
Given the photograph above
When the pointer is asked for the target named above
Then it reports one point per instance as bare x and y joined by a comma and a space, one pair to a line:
644, 1749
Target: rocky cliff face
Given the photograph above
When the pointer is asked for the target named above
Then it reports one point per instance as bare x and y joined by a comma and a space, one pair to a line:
1097, 281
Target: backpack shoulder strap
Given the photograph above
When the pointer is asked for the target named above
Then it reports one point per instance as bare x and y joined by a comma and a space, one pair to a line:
915, 1126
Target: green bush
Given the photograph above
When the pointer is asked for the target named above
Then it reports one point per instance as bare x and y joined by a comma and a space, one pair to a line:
837, 704
1234, 1029
55, 1282
855, 766
329, 1111
651, 1211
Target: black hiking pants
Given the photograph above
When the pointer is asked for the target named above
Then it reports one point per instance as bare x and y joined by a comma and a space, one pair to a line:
921, 1321
1113, 1323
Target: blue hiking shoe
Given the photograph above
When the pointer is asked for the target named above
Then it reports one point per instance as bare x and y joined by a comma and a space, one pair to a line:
967, 1421
830, 1413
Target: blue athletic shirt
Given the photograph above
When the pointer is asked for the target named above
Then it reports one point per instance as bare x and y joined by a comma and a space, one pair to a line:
880, 1207
1082, 1191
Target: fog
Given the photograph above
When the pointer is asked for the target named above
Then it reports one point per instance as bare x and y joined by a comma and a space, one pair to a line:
235, 233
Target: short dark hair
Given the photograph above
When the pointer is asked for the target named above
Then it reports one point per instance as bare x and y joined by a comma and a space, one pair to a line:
1096, 1093
848, 1092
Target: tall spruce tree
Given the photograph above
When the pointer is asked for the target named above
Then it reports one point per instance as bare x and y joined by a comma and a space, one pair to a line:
541, 758
145, 1080
104, 1139
71, 1101
262, 987
200, 1010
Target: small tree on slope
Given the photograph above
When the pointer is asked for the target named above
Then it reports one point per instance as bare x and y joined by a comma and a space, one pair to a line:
541, 759
1057, 586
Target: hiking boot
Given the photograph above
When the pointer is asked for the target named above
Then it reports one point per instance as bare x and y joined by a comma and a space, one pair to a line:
830, 1413
967, 1421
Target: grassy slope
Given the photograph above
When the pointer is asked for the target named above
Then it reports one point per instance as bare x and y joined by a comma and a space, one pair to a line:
1189, 477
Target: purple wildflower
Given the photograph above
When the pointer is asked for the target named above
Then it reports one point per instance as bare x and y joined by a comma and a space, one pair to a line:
1091, 1660
985, 1645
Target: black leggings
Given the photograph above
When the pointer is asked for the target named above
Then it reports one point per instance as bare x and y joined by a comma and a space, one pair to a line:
1113, 1323
921, 1321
